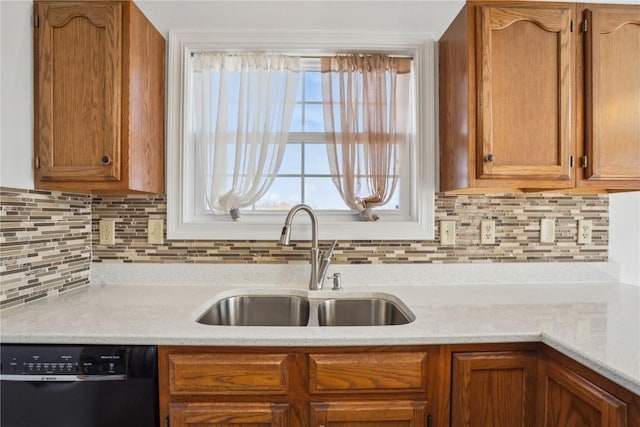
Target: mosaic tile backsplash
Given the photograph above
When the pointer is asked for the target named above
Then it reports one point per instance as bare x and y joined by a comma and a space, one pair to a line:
48, 239
517, 220
45, 244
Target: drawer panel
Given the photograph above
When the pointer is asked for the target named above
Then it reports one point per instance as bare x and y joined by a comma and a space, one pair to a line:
370, 372
215, 374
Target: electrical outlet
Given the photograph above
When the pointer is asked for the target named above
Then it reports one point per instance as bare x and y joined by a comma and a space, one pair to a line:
447, 233
487, 232
584, 231
547, 230
107, 231
155, 231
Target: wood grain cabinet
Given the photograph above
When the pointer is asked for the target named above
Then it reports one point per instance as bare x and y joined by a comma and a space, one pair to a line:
99, 98
297, 387
494, 389
529, 100
568, 400
610, 155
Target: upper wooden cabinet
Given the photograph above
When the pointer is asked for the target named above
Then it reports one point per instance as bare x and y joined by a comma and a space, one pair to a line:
610, 156
99, 98
513, 106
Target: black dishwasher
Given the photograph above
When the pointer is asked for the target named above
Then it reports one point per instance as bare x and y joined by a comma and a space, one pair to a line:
78, 386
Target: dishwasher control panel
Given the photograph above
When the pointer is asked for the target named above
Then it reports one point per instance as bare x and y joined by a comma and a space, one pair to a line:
63, 360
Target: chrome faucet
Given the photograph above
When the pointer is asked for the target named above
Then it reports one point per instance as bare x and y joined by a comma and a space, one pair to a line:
316, 279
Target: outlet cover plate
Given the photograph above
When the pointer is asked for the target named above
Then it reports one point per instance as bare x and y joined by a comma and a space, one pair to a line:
107, 231
447, 233
585, 231
487, 232
155, 229
547, 230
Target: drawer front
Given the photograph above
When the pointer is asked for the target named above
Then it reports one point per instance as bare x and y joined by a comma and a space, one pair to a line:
370, 372
216, 374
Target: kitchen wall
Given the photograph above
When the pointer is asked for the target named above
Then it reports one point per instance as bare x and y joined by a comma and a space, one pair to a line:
48, 239
45, 244
23, 280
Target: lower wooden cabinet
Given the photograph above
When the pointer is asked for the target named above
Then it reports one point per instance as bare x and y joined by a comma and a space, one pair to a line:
568, 400
481, 385
298, 387
496, 388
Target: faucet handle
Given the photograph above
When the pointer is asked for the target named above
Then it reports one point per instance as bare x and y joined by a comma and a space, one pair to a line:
337, 281
329, 252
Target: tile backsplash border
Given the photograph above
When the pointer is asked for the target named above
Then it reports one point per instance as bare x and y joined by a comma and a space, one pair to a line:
48, 239
517, 220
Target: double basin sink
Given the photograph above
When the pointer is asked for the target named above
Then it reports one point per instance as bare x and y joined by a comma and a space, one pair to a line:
272, 309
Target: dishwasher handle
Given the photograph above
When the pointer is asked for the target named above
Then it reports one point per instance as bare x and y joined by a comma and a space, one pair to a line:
61, 378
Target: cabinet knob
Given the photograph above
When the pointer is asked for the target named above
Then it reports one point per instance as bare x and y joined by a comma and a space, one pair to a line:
105, 160
490, 158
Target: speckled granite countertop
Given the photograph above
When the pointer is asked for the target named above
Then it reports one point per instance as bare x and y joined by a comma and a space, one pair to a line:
597, 324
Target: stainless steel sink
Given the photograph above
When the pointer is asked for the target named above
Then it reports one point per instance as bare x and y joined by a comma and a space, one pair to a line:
258, 310
362, 312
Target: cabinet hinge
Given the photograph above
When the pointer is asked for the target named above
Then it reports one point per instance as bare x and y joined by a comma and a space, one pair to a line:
37, 162
583, 162
570, 161
585, 26
429, 421
166, 422
571, 26
36, 20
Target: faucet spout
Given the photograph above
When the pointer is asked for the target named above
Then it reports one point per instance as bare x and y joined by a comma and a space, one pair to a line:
316, 278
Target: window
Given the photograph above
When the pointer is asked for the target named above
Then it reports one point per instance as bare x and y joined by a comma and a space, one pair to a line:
304, 175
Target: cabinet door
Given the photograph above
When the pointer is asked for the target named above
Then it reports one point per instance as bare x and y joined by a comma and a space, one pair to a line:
77, 90
369, 414
524, 69
568, 400
493, 389
612, 97
228, 415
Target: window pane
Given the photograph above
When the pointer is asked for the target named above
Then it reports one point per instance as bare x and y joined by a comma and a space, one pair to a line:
315, 159
296, 119
282, 195
314, 121
292, 159
313, 88
320, 193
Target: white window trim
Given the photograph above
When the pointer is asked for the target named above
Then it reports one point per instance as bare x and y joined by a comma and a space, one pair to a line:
420, 224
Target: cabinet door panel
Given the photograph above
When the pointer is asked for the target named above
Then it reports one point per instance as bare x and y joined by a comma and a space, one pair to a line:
239, 374
228, 415
378, 372
524, 81
568, 400
493, 389
78, 92
612, 79
369, 414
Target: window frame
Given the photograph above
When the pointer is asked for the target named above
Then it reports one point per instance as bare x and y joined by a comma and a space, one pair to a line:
183, 223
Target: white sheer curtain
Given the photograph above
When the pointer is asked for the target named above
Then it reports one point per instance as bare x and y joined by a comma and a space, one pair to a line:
366, 113
242, 111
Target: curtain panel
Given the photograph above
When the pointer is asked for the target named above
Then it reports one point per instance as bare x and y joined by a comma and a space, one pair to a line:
366, 101
242, 109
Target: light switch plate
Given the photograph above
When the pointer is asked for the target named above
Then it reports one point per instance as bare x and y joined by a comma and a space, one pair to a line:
107, 231
547, 230
155, 229
585, 231
487, 232
447, 233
